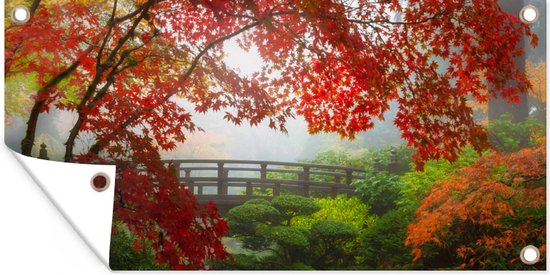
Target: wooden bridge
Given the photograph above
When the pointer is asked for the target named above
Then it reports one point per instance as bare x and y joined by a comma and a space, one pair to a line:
232, 182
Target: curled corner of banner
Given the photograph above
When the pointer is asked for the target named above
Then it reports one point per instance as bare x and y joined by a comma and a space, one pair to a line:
69, 186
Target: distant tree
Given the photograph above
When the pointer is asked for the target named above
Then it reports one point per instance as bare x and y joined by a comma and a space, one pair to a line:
536, 71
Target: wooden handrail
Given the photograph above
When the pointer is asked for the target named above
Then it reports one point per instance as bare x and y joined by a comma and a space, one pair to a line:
288, 171
307, 177
260, 162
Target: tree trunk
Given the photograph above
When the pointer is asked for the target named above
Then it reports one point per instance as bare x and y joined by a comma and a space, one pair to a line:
28, 141
102, 67
499, 106
69, 145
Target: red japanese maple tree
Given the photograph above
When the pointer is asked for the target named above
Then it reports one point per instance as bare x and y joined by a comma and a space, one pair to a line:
119, 65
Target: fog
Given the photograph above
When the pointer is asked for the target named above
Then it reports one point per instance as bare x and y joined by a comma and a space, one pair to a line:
222, 140
219, 140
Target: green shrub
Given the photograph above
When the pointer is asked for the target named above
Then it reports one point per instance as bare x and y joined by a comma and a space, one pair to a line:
329, 241
380, 191
383, 242
417, 184
127, 252
333, 231
291, 206
509, 136
351, 211
288, 237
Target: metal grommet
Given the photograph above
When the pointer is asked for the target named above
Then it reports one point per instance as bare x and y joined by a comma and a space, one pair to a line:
529, 14
530, 255
20, 15
100, 182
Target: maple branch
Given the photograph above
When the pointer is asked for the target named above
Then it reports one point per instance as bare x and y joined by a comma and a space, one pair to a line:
27, 142
69, 144
96, 148
129, 15
296, 38
115, 71
387, 21
111, 24
195, 62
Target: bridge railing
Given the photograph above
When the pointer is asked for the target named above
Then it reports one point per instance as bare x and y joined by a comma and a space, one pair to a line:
239, 178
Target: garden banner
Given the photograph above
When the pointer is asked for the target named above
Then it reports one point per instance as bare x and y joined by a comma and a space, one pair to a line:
286, 135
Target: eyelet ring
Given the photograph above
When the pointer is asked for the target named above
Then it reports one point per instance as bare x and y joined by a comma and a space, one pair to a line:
100, 182
20, 15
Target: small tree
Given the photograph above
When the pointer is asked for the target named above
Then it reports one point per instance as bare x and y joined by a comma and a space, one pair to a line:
291, 206
265, 226
329, 239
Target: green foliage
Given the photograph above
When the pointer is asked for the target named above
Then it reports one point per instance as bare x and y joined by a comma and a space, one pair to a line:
403, 155
291, 206
417, 184
351, 211
333, 230
258, 201
253, 211
341, 157
380, 191
238, 262
248, 219
286, 236
365, 158
258, 224
509, 136
129, 253
320, 233
383, 242
330, 244
300, 266
18, 100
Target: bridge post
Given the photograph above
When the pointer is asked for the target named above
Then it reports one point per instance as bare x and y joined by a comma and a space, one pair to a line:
263, 171
305, 178
277, 189
249, 190
188, 180
334, 192
221, 179
349, 176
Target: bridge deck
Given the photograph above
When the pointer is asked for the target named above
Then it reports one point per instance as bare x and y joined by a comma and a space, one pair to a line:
236, 181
